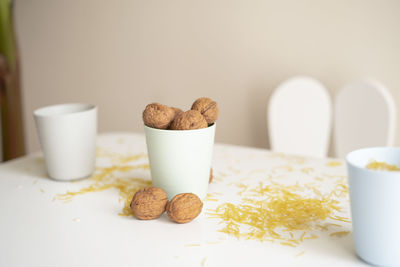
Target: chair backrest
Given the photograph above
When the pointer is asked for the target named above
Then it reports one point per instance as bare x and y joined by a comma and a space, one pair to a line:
365, 116
300, 117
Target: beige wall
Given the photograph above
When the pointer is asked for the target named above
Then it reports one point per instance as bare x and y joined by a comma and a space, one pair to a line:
122, 55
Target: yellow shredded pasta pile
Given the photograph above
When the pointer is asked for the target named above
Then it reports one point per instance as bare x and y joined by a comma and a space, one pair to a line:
279, 213
381, 166
109, 177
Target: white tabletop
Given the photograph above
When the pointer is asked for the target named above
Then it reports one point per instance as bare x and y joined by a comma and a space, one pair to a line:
38, 228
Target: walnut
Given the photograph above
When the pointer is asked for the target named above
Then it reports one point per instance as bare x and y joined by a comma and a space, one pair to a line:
149, 203
208, 108
211, 176
177, 111
189, 120
158, 116
184, 207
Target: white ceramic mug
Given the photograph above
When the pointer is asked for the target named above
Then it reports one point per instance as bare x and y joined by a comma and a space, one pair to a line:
67, 135
180, 160
375, 205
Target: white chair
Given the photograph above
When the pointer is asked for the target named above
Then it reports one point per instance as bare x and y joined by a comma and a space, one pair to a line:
365, 116
300, 117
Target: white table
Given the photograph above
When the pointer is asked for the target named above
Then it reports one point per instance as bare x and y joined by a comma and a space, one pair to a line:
36, 230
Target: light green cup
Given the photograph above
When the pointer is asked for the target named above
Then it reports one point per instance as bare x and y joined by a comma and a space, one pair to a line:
180, 160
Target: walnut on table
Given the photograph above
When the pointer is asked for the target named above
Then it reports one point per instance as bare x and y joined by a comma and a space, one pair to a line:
184, 207
208, 108
149, 203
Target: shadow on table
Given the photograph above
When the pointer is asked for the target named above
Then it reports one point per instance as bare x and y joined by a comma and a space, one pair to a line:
338, 247
162, 219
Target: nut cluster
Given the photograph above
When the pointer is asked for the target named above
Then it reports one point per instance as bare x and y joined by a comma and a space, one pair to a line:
204, 112
151, 202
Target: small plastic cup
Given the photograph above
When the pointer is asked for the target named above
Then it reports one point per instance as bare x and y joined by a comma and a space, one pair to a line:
67, 135
180, 160
375, 205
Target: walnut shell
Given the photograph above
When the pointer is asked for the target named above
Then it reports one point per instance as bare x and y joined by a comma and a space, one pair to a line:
158, 116
211, 176
184, 207
149, 203
208, 108
177, 111
189, 120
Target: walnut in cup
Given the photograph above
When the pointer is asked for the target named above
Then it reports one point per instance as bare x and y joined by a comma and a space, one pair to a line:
189, 120
208, 108
158, 116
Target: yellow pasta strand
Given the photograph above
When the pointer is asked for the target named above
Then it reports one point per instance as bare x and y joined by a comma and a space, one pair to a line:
382, 166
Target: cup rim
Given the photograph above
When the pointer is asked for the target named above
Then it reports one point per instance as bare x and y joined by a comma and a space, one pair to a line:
179, 131
64, 110
351, 154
